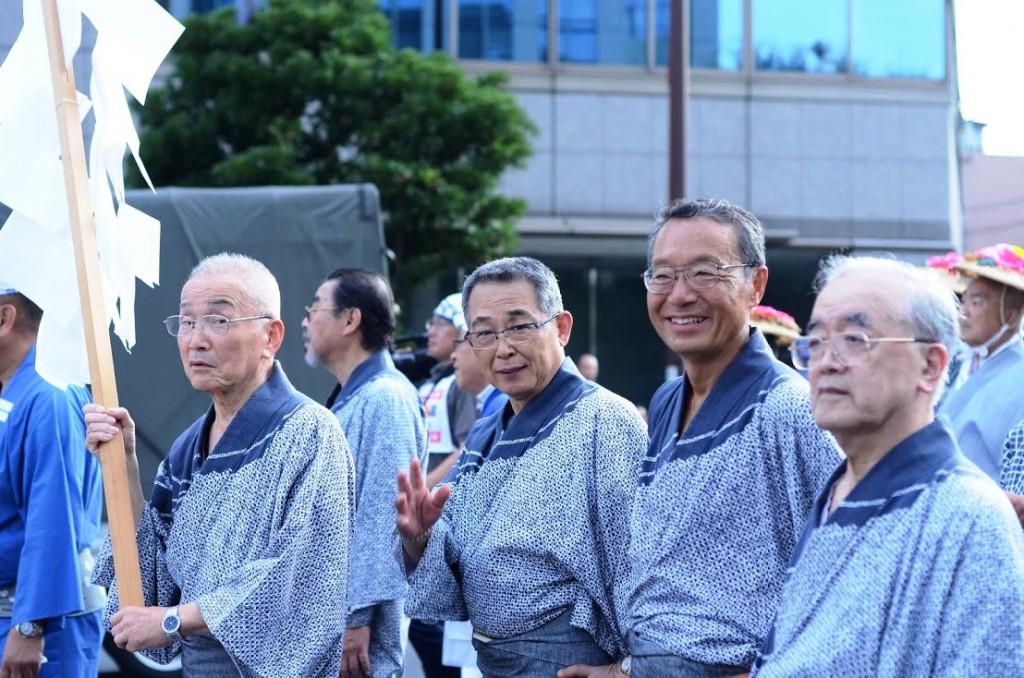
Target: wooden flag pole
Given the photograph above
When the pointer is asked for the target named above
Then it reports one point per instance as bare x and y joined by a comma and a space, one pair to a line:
90, 288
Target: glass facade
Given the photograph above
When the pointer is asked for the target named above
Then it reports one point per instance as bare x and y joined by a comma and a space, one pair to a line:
864, 38
905, 39
417, 24
716, 33
503, 30
602, 32
801, 35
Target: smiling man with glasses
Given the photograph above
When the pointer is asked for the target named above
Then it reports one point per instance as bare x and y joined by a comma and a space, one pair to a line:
528, 537
734, 460
244, 543
911, 562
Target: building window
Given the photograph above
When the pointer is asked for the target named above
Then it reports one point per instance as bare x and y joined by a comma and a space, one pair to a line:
610, 32
419, 24
808, 36
905, 39
503, 30
716, 33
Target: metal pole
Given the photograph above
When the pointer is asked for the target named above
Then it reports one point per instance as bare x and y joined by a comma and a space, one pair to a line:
678, 95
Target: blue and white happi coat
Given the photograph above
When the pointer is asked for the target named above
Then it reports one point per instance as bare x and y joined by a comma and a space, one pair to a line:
918, 572
1012, 476
383, 420
983, 409
538, 519
257, 533
50, 505
719, 509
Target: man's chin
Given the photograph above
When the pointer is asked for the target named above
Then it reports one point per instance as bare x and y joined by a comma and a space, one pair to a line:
312, 360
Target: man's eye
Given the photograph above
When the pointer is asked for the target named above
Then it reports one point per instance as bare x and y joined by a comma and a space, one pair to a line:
216, 321
662, 277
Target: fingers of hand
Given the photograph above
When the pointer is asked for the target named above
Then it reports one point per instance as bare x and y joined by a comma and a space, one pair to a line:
415, 475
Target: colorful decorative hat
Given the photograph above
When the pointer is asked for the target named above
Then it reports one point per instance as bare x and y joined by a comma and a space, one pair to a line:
946, 271
773, 321
1000, 263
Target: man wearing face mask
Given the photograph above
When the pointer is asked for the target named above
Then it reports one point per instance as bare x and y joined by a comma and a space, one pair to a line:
981, 410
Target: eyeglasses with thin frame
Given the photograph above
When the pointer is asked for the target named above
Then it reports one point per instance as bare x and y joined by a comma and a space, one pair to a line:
310, 310
849, 348
701, 275
517, 334
183, 325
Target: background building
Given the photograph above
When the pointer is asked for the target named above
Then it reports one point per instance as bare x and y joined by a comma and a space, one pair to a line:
835, 122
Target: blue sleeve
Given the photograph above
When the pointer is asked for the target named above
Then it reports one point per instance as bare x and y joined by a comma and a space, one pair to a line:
53, 454
391, 433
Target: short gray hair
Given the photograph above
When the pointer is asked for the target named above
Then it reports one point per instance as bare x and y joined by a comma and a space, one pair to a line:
514, 269
258, 285
932, 310
749, 232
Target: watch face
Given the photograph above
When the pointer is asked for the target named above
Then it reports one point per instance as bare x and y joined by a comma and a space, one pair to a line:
30, 629
171, 624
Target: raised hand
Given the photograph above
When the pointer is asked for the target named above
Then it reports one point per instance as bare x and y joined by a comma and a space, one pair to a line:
417, 509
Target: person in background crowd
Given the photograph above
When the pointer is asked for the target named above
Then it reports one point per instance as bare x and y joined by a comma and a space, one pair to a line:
348, 330
450, 414
588, 366
469, 376
50, 505
977, 407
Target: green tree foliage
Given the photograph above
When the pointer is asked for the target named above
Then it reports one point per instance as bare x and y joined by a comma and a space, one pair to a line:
312, 92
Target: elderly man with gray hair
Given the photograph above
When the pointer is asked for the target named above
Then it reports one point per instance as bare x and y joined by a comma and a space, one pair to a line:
244, 543
529, 538
911, 562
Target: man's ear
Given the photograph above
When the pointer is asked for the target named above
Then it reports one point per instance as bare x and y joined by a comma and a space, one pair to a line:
760, 282
354, 321
564, 326
8, 314
275, 336
936, 358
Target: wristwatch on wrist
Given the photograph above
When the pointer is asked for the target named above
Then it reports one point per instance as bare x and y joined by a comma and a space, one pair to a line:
30, 629
171, 624
626, 665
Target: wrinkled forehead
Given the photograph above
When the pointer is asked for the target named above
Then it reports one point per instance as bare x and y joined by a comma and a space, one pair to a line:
856, 302
497, 302
215, 293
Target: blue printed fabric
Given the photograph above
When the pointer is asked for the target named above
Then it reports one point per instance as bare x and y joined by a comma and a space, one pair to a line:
537, 523
719, 508
918, 572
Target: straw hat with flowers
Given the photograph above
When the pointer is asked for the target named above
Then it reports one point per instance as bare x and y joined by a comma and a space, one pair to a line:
773, 321
1001, 263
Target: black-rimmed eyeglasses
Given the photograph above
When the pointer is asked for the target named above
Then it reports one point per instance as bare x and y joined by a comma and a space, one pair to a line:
517, 334
849, 348
183, 325
699, 276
